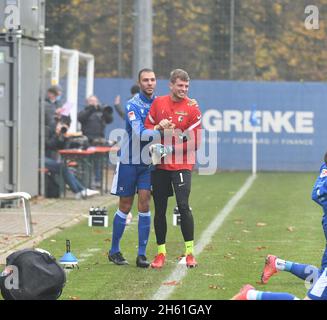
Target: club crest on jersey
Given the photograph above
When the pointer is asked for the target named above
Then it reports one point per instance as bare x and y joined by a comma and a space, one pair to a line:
131, 116
323, 173
180, 119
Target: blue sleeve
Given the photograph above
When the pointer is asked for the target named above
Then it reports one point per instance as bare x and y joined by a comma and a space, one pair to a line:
319, 192
135, 121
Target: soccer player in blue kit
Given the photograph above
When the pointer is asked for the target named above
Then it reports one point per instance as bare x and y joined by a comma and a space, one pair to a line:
318, 277
132, 173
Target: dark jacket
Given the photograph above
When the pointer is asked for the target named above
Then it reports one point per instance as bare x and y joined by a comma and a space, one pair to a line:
50, 120
53, 143
94, 121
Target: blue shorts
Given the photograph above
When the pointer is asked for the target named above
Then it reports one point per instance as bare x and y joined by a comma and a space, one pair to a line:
319, 289
129, 178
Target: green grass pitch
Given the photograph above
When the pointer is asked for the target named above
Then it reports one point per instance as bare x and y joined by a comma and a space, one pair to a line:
275, 216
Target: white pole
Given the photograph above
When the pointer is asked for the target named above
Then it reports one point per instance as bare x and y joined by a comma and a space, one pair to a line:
72, 88
90, 77
254, 151
55, 70
19, 114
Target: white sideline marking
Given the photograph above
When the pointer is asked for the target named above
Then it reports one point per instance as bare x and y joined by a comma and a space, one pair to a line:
180, 271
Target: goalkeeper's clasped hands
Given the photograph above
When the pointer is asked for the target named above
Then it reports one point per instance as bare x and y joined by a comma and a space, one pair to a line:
158, 150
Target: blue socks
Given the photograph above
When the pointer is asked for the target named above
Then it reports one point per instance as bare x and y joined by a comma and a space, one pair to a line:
261, 295
119, 224
303, 271
118, 228
144, 225
275, 296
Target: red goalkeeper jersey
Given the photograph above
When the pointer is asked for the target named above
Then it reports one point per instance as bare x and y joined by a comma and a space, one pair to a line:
186, 116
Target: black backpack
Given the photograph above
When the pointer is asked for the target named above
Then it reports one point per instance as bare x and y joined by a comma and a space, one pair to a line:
39, 276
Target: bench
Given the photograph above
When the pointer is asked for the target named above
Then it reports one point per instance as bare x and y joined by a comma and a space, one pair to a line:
25, 197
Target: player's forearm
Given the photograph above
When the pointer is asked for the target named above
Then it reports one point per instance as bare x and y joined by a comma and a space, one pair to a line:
147, 134
144, 133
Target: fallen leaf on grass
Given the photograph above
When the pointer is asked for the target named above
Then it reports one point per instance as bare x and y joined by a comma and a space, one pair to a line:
171, 283
261, 224
74, 298
229, 256
261, 248
246, 231
216, 287
290, 229
238, 221
107, 240
98, 231
53, 240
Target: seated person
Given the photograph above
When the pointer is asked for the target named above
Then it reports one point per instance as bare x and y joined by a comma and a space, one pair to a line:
94, 119
56, 140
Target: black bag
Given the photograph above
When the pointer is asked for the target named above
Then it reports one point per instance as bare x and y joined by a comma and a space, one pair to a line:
52, 189
40, 277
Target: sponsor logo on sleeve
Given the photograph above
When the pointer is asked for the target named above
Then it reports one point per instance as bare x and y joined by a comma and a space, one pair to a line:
131, 116
323, 173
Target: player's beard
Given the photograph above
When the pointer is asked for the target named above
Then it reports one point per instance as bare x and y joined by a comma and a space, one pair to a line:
149, 92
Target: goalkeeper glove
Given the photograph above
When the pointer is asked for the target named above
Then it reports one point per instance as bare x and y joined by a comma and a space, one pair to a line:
184, 137
159, 151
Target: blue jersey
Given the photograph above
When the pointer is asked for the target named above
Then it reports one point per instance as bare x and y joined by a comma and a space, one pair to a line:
319, 192
132, 145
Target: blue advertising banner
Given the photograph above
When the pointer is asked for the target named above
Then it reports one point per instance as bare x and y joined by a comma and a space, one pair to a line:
290, 119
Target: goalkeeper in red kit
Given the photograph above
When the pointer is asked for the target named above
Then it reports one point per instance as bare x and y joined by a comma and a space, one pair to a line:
174, 158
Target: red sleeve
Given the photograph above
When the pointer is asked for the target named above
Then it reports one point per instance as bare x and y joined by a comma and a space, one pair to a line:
193, 132
150, 120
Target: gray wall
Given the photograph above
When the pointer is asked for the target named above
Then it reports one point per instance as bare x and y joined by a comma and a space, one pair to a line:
19, 115
20, 81
28, 129
5, 129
